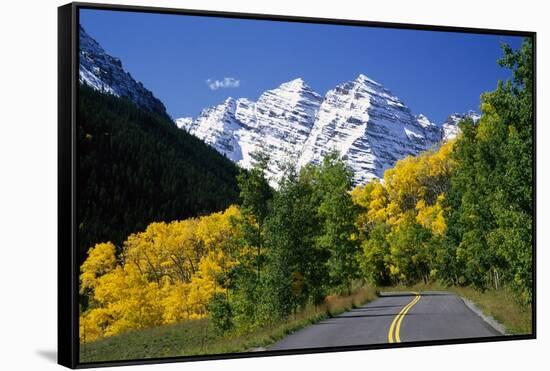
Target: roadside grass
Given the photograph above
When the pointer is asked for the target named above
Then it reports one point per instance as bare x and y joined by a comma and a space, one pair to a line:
502, 304
197, 337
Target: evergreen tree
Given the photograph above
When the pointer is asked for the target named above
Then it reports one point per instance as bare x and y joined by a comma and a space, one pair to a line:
136, 167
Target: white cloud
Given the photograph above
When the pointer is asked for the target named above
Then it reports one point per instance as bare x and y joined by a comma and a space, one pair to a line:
227, 82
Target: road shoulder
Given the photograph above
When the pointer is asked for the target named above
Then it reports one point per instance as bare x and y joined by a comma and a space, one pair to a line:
488, 319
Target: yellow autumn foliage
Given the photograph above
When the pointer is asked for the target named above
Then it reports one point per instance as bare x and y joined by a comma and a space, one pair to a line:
165, 274
373, 198
414, 183
395, 212
431, 216
100, 261
423, 177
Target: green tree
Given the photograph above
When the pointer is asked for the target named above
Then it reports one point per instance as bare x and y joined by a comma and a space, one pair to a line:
295, 265
490, 201
219, 311
376, 260
256, 195
338, 214
410, 251
249, 304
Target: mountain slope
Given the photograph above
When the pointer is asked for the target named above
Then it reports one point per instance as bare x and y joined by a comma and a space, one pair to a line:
105, 73
369, 127
136, 167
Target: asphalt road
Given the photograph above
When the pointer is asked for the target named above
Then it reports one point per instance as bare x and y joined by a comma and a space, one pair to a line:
394, 317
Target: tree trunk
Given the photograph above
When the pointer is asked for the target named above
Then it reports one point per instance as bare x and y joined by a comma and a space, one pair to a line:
496, 279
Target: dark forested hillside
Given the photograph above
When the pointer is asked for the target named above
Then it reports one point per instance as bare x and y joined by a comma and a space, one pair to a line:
136, 167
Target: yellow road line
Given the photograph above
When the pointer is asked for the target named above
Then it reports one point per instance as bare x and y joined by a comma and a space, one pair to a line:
396, 323
398, 327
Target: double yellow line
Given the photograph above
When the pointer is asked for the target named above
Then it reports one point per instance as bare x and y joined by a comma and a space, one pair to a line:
393, 334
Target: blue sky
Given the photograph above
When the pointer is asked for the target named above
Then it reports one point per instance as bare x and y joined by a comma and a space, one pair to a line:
180, 58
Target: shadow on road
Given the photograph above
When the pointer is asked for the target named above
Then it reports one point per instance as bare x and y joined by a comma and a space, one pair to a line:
376, 307
346, 315
411, 294
395, 294
437, 294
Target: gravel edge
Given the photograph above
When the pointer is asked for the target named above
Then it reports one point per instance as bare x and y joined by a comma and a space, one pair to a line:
488, 319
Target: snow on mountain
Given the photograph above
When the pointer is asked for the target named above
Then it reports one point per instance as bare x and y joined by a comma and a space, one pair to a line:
450, 126
368, 126
184, 123
218, 127
278, 123
105, 73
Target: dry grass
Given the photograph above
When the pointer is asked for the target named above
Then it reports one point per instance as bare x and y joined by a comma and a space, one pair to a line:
502, 305
336, 304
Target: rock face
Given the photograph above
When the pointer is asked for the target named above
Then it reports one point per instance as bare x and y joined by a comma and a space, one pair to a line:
450, 126
105, 73
368, 126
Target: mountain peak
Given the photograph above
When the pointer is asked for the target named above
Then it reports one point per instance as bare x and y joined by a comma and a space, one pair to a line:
298, 81
424, 121
457, 116
292, 92
295, 85
362, 78
104, 73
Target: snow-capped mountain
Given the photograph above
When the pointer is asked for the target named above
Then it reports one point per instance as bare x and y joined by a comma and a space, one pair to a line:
278, 123
450, 126
368, 126
360, 119
105, 73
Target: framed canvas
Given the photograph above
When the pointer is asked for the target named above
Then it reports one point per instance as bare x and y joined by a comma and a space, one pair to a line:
243, 185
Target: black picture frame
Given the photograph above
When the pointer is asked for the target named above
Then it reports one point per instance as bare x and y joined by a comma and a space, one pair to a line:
68, 266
